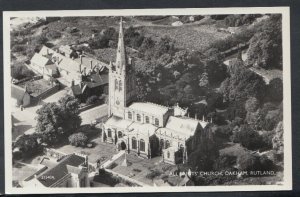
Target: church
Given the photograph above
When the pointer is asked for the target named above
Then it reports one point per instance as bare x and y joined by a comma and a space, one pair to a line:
145, 128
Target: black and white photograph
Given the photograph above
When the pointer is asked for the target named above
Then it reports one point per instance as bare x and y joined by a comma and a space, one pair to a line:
147, 100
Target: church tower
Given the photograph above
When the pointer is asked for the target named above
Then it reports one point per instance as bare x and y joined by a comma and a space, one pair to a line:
121, 80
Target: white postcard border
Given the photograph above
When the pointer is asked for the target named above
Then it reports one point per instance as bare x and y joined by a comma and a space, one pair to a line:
287, 121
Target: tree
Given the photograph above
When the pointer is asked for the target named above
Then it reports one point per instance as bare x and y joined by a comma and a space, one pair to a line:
69, 106
248, 162
41, 40
20, 71
49, 123
251, 104
99, 42
274, 90
265, 48
92, 99
248, 138
28, 145
202, 150
78, 139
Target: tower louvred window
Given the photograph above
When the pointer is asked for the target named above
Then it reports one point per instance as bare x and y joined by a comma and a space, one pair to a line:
116, 84
120, 85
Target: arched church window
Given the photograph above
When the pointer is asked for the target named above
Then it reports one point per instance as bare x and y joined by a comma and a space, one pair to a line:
156, 122
108, 132
138, 117
120, 134
142, 145
133, 142
147, 119
120, 85
167, 144
129, 115
116, 84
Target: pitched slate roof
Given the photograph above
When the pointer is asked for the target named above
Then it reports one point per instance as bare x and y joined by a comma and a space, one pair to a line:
54, 174
182, 124
97, 80
144, 129
64, 62
39, 59
150, 108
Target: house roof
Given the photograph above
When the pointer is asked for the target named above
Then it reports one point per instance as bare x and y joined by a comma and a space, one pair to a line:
64, 62
54, 174
66, 49
17, 92
96, 80
86, 62
150, 108
182, 124
39, 59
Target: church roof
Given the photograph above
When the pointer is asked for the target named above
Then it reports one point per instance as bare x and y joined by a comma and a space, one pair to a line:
144, 129
150, 108
118, 122
182, 124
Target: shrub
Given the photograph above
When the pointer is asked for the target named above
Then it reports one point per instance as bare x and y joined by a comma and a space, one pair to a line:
248, 138
248, 162
92, 99
153, 174
28, 145
18, 48
53, 35
19, 71
78, 139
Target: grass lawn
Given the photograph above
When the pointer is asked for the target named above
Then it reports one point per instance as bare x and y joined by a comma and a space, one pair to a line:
138, 168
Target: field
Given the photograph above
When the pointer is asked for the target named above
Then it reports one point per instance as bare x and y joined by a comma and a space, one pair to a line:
191, 37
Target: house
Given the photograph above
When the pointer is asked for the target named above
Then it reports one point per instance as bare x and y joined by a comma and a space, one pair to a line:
148, 129
20, 96
43, 66
69, 171
96, 83
65, 64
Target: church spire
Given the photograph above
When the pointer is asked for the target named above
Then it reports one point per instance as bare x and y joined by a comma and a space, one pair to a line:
121, 60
